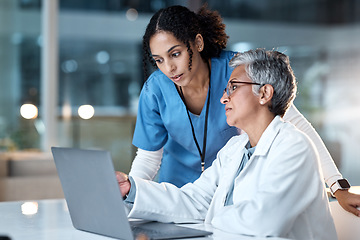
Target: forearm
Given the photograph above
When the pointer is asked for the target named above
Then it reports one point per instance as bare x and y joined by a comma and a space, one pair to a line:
146, 164
166, 203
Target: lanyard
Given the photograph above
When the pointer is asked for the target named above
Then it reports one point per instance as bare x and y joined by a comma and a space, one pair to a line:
201, 153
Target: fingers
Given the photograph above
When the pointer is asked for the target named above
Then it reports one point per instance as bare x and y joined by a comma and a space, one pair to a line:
354, 210
121, 177
357, 211
349, 201
124, 183
142, 237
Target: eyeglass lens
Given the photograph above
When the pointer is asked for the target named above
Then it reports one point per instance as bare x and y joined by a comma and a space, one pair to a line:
230, 88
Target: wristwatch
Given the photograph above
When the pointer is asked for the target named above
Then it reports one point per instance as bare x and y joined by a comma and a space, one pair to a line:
341, 184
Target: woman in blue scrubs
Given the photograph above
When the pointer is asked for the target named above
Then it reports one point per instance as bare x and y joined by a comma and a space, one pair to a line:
181, 124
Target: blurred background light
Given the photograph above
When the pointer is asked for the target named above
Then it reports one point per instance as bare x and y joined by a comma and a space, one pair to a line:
69, 66
29, 111
241, 46
86, 111
132, 14
102, 57
29, 208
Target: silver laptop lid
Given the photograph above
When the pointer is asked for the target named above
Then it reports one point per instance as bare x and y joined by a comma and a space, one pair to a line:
95, 202
91, 191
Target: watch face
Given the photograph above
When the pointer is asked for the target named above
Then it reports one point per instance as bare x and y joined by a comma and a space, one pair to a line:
344, 183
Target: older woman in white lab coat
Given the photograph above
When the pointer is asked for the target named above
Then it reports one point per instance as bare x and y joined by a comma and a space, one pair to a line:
277, 191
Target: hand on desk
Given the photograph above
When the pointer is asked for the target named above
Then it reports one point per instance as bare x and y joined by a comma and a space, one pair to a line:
349, 201
124, 183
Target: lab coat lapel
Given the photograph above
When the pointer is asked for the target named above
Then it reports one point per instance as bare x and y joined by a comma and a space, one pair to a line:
262, 148
233, 161
265, 141
236, 155
268, 137
231, 165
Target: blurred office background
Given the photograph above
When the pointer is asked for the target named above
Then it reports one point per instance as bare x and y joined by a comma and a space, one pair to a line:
89, 53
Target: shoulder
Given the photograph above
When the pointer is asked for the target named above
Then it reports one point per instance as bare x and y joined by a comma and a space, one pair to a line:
157, 85
220, 65
152, 83
236, 140
282, 137
292, 132
225, 56
152, 92
232, 151
291, 136
234, 144
291, 149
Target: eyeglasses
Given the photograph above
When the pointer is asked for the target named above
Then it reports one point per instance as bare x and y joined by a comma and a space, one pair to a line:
230, 88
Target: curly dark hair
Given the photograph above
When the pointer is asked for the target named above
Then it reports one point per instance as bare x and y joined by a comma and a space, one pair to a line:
185, 25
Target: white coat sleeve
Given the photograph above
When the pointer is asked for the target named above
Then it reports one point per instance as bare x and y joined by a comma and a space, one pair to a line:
146, 164
164, 202
289, 182
328, 167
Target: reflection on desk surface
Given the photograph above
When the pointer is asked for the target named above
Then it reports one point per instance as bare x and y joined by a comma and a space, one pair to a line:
50, 220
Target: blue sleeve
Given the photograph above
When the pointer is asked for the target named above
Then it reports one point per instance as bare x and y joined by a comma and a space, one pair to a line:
150, 133
131, 196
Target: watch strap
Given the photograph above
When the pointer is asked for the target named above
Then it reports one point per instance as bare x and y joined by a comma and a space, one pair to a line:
334, 188
341, 184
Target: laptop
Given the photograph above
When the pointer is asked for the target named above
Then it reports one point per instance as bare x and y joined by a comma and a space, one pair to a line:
94, 200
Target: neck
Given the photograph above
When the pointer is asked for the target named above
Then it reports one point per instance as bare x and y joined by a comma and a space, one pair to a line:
256, 127
196, 91
202, 78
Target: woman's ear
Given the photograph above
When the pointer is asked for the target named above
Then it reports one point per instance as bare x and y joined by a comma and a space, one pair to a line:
199, 42
266, 94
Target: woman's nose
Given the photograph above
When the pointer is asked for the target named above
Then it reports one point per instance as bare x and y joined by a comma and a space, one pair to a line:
224, 99
170, 67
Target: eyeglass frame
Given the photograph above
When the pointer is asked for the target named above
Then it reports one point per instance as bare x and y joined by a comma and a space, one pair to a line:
227, 90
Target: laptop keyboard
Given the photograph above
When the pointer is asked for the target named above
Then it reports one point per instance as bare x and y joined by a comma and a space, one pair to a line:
156, 230
137, 230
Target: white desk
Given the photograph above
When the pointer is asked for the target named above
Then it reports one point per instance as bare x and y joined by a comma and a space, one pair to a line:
50, 220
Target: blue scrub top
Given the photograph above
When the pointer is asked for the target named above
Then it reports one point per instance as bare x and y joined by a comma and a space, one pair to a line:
162, 121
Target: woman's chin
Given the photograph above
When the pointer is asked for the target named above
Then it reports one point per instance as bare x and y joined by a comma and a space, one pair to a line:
230, 123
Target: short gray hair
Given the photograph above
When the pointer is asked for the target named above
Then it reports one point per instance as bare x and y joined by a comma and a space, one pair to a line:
269, 67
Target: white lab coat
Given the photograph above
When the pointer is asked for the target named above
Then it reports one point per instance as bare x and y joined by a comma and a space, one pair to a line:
280, 192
